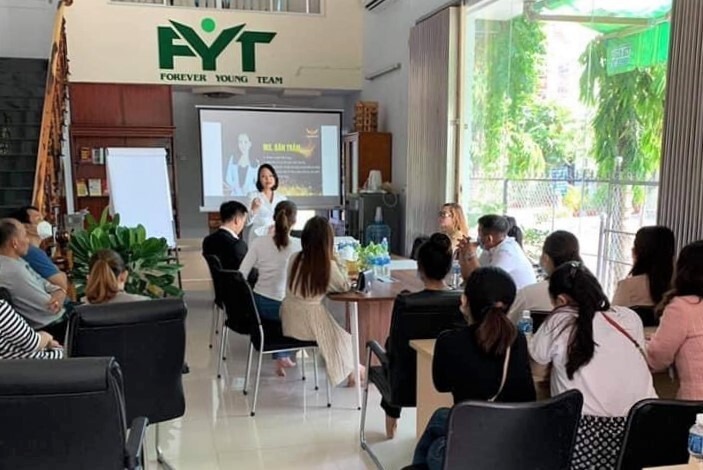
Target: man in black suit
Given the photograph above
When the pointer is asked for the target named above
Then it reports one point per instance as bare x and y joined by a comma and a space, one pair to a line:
225, 242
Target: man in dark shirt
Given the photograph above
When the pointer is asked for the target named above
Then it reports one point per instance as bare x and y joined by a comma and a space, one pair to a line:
225, 242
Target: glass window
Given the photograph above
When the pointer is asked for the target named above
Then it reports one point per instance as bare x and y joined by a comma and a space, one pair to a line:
562, 120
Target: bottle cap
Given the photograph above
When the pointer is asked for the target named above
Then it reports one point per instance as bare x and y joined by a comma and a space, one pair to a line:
379, 214
526, 314
699, 419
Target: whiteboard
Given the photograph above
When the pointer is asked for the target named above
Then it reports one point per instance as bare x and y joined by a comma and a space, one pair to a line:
140, 191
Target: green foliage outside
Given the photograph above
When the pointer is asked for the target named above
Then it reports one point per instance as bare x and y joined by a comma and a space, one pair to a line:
151, 271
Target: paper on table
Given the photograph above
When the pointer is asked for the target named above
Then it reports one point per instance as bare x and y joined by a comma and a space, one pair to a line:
397, 264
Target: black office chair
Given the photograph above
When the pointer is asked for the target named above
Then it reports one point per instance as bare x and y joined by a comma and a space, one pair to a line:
148, 340
656, 433
422, 315
66, 414
647, 315
215, 267
538, 317
536, 435
266, 337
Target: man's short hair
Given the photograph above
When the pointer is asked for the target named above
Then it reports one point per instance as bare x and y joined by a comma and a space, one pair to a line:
8, 230
493, 223
231, 209
22, 214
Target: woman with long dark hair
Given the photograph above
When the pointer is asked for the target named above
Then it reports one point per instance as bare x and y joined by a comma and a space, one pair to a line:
679, 338
312, 274
653, 254
485, 360
597, 350
559, 247
270, 255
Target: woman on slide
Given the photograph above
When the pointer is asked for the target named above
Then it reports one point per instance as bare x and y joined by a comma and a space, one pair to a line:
312, 274
263, 202
240, 177
270, 256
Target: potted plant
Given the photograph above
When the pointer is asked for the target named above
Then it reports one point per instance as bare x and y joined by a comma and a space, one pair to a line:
152, 272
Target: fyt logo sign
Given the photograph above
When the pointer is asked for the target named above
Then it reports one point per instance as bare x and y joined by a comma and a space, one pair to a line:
195, 46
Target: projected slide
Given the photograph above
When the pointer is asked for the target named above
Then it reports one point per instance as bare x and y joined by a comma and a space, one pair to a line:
303, 147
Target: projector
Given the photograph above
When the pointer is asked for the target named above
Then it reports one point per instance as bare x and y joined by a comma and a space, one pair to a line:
219, 91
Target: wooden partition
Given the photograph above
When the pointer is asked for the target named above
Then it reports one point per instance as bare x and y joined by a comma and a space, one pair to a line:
116, 115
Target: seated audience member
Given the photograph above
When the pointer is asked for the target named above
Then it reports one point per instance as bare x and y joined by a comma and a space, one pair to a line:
107, 279
313, 273
40, 302
39, 230
498, 250
19, 341
433, 264
452, 223
679, 337
270, 255
225, 242
559, 247
599, 351
653, 254
471, 362
514, 231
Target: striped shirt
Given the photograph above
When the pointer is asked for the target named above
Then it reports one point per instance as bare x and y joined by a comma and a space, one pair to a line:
18, 340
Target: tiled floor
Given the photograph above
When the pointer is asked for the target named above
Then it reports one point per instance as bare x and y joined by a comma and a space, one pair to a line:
293, 428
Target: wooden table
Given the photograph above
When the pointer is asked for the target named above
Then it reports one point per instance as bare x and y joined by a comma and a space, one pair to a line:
691, 465
369, 315
428, 398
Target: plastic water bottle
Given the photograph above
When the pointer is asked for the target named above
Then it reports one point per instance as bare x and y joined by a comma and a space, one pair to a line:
525, 324
377, 231
695, 439
456, 274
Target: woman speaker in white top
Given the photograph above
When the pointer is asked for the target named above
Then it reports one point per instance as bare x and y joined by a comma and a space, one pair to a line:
263, 202
269, 255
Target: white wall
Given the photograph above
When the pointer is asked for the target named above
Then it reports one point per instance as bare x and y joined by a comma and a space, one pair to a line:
193, 223
26, 27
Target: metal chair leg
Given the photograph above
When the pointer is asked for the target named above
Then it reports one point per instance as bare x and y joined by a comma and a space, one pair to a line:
246, 377
362, 427
159, 453
223, 345
314, 365
302, 364
329, 393
256, 386
213, 326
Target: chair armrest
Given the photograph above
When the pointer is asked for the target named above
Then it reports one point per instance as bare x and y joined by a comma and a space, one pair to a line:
135, 443
378, 351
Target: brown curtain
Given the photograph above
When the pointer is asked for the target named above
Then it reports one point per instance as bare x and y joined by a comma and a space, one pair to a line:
681, 191
432, 109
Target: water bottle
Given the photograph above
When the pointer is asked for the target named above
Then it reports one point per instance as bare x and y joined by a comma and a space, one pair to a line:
695, 439
377, 231
456, 274
525, 324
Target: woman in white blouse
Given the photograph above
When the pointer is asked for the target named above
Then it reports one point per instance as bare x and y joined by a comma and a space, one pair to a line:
263, 202
240, 176
269, 255
597, 350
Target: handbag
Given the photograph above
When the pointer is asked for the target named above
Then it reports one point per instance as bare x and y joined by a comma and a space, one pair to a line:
505, 375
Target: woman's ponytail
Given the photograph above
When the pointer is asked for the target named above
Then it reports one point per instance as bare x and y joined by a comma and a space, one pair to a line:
103, 285
496, 332
284, 217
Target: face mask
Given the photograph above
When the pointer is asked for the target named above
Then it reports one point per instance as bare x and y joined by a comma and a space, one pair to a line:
45, 230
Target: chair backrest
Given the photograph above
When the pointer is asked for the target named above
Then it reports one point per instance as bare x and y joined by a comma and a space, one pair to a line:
417, 316
238, 302
66, 414
148, 340
215, 267
6, 296
538, 317
530, 436
656, 433
647, 315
